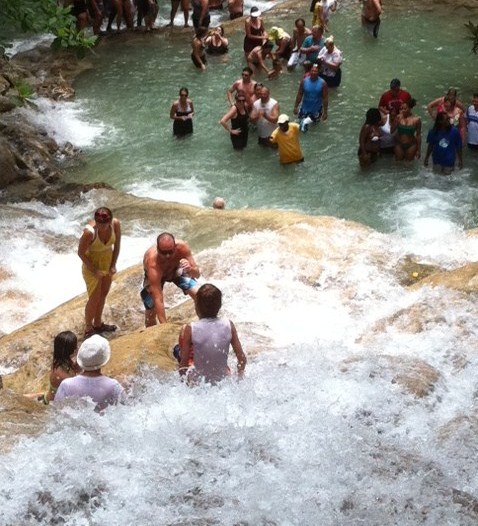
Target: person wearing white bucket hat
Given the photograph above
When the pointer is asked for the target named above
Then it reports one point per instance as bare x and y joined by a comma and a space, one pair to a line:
94, 353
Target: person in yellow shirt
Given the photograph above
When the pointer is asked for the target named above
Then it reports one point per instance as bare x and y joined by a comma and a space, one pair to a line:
286, 136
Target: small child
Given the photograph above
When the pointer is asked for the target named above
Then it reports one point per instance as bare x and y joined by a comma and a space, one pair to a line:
209, 338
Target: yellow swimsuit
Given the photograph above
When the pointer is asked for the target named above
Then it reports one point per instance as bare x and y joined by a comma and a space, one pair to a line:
100, 255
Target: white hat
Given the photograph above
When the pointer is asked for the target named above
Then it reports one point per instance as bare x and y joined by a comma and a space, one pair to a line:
283, 119
93, 353
255, 11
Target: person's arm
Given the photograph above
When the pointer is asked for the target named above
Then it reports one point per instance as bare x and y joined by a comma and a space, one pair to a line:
274, 115
432, 105
262, 64
116, 248
85, 241
230, 93
298, 97
427, 155
172, 112
363, 141
459, 154
462, 127
325, 101
191, 104
418, 135
231, 114
187, 262
378, 6
155, 288
185, 346
237, 348
254, 115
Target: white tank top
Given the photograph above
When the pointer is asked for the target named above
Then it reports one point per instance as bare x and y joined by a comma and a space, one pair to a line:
211, 338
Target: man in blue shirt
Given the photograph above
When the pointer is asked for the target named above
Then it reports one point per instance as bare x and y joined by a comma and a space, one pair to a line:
313, 44
312, 96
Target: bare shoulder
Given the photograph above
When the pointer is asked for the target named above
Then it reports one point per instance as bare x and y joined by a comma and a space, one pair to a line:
149, 256
182, 248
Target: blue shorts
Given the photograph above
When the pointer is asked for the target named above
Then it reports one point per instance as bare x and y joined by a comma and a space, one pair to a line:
185, 283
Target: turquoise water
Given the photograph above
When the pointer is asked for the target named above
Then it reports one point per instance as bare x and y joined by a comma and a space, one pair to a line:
134, 83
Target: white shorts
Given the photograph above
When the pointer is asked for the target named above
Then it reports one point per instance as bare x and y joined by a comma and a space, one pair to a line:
295, 59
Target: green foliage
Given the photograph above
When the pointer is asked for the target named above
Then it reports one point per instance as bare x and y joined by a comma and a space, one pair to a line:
473, 35
25, 94
45, 16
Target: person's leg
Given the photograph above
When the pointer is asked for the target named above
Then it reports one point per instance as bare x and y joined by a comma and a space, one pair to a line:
185, 7
128, 14
174, 10
411, 152
398, 152
150, 317
104, 287
92, 307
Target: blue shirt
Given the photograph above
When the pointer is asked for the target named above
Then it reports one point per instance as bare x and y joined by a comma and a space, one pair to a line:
445, 145
312, 96
308, 42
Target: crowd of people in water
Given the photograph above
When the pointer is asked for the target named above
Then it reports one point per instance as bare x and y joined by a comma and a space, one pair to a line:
390, 127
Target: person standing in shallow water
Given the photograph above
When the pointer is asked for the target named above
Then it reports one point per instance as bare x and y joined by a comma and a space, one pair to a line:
238, 117
99, 249
182, 112
371, 11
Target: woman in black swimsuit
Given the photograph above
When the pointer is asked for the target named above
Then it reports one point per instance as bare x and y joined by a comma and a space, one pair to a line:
182, 112
239, 118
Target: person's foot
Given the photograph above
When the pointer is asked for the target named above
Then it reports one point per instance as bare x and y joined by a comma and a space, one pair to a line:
104, 327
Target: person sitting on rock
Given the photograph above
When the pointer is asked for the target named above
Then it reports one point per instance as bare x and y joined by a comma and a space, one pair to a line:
94, 353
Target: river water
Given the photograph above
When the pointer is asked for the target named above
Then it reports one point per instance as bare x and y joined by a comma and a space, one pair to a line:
320, 432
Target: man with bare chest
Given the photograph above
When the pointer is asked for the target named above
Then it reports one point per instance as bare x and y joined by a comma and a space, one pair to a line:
170, 260
371, 11
245, 84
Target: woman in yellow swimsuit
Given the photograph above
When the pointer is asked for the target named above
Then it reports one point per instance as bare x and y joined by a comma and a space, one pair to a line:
99, 249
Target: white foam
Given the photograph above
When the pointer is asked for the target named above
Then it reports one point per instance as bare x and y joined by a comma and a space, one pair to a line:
66, 122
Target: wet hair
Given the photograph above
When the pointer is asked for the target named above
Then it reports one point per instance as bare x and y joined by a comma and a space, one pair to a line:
208, 301
441, 121
452, 92
451, 100
247, 69
299, 20
307, 65
64, 345
373, 116
268, 44
410, 103
185, 90
164, 235
221, 30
